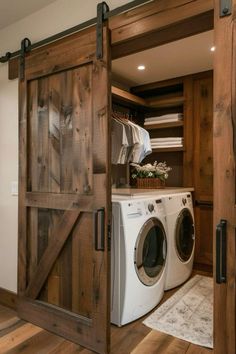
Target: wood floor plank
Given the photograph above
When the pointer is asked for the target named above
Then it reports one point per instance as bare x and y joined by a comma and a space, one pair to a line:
195, 349
135, 338
66, 347
41, 343
160, 343
18, 336
7, 318
12, 328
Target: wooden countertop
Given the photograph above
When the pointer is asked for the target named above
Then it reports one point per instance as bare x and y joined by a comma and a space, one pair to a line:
134, 192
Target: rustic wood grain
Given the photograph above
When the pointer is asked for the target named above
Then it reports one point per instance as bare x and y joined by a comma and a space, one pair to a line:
57, 241
224, 175
67, 175
176, 31
55, 83
59, 201
14, 338
82, 266
188, 133
167, 14
157, 342
203, 137
22, 211
203, 235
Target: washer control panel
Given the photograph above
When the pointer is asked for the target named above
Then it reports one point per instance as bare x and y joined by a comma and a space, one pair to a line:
154, 206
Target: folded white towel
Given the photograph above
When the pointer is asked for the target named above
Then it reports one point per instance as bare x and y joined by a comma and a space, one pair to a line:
162, 121
175, 116
156, 146
169, 139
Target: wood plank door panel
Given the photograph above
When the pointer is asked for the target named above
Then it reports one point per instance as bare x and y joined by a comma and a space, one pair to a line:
224, 151
63, 281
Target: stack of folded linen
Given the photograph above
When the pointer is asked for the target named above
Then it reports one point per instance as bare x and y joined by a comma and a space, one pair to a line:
167, 118
166, 142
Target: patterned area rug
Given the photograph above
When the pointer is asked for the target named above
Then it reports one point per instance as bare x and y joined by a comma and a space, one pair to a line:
188, 314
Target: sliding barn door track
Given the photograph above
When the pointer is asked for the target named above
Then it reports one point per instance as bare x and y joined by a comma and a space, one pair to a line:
103, 14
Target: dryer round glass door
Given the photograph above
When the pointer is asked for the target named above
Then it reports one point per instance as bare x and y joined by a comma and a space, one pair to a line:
184, 235
150, 252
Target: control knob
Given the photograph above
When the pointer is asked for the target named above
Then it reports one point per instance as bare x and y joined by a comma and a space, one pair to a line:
150, 207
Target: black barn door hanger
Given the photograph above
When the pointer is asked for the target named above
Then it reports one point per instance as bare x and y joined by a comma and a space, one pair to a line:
103, 14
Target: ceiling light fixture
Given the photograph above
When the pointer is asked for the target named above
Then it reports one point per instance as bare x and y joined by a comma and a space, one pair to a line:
141, 67
213, 48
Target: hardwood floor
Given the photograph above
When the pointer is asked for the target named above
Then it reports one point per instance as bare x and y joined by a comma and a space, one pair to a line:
17, 336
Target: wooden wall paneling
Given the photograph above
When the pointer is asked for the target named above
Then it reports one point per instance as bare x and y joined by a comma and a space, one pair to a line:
203, 138
188, 133
203, 235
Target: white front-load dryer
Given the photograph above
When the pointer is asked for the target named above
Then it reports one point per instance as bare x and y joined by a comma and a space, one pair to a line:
138, 257
180, 238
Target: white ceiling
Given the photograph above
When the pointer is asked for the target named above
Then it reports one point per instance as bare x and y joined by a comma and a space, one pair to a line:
186, 56
14, 10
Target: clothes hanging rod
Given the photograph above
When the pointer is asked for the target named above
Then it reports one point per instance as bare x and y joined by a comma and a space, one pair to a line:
117, 11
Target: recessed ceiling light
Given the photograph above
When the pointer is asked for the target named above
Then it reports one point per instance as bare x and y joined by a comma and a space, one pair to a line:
213, 48
141, 67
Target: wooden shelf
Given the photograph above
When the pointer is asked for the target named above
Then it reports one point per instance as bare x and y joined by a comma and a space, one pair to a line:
167, 102
128, 97
164, 125
170, 149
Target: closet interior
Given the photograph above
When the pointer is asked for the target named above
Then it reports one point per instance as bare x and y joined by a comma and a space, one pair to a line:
173, 101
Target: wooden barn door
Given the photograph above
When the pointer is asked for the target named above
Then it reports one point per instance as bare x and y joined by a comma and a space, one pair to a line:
224, 180
64, 191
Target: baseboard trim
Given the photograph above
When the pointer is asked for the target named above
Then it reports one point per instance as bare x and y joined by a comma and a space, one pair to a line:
8, 298
203, 268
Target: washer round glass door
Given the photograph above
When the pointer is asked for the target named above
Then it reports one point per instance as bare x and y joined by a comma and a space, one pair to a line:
150, 252
184, 235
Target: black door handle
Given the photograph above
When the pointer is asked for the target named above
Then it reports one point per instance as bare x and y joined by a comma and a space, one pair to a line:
221, 252
99, 229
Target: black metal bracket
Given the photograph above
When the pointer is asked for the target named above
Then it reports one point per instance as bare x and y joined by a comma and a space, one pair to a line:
102, 9
5, 58
25, 48
225, 8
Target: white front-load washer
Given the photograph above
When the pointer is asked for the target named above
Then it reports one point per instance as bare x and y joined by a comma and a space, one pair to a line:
180, 238
138, 257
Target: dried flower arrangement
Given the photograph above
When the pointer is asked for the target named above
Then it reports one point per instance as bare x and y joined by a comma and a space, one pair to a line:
151, 176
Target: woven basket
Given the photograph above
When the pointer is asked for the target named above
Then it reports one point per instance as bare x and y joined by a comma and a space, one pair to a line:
150, 183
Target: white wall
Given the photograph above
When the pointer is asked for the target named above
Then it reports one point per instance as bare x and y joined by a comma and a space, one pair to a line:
54, 18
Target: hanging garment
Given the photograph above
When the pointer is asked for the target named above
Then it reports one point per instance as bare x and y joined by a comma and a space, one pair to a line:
130, 142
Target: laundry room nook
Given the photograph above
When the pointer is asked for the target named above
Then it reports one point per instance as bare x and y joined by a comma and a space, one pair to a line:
117, 177
162, 191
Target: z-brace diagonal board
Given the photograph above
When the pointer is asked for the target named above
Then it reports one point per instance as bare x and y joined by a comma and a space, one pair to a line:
60, 234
